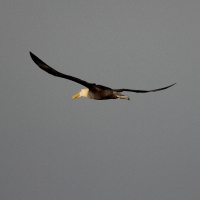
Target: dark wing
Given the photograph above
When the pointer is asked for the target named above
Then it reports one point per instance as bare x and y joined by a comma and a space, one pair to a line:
53, 72
142, 91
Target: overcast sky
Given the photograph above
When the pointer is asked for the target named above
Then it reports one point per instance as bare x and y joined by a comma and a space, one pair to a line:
53, 147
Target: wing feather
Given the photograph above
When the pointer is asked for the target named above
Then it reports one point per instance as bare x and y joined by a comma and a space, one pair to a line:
142, 91
53, 72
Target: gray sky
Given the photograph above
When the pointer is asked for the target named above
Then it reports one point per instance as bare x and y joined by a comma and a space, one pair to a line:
53, 147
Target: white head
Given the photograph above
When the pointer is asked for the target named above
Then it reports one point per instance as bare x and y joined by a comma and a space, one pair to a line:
82, 93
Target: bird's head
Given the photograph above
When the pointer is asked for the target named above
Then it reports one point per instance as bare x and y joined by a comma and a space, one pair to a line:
82, 93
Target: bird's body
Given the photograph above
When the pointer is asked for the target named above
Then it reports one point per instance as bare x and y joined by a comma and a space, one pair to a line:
92, 91
99, 92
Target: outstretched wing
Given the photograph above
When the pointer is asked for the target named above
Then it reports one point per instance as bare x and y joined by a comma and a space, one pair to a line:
53, 72
142, 91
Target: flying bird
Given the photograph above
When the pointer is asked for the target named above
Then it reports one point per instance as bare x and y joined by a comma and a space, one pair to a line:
92, 91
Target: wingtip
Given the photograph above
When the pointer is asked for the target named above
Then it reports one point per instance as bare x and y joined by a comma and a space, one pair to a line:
34, 57
31, 54
172, 85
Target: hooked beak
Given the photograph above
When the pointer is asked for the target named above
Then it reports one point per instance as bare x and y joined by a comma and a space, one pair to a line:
76, 96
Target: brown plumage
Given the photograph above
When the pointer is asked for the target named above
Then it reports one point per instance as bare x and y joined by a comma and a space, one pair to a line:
92, 91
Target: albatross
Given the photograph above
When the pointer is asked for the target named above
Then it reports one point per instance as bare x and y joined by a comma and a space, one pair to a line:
92, 91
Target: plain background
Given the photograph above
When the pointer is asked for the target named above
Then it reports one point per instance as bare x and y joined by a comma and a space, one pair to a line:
53, 147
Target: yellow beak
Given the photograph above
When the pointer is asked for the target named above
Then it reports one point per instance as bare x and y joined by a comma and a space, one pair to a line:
76, 96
